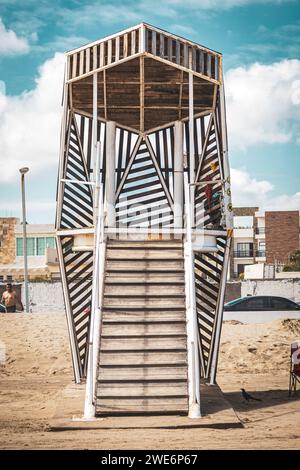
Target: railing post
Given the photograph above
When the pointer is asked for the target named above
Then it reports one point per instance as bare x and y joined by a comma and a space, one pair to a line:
192, 328
97, 287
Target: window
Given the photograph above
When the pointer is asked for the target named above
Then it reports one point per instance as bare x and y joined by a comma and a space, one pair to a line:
244, 250
36, 246
50, 242
282, 304
253, 303
30, 246
40, 246
262, 246
19, 246
241, 268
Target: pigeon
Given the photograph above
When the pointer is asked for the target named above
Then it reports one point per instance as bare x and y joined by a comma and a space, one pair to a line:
247, 396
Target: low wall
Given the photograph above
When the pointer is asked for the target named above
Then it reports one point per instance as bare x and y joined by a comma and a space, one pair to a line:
289, 288
48, 296
45, 296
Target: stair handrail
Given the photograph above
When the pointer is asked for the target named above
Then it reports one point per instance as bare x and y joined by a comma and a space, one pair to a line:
96, 303
192, 327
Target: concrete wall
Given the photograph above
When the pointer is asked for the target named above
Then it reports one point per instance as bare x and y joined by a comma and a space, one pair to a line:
45, 296
7, 239
289, 288
233, 291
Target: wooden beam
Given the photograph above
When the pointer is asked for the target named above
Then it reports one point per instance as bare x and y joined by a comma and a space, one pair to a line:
104, 94
142, 95
180, 95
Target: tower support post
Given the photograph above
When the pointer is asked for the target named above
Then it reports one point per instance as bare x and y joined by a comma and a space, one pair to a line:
178, 174
110, 173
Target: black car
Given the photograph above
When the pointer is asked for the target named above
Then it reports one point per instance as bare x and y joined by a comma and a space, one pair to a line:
260, 302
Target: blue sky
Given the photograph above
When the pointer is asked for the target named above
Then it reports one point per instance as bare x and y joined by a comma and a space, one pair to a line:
260, 42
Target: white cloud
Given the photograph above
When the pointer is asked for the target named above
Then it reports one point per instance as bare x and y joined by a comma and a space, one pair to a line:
263, 103
30, 123
248, 191
10, 43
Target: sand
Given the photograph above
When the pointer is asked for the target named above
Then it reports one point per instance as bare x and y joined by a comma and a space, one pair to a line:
36, 367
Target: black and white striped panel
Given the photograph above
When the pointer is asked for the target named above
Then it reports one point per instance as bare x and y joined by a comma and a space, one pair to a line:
85, 127
125, 142
142, 201
77, 206
163, 146
200, 129
209, 212
208, 270
78, 271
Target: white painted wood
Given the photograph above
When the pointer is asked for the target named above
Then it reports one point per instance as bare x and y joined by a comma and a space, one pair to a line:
227, 185
178, 174
110, 173
191, 320
125, 329
158, 343
95, 124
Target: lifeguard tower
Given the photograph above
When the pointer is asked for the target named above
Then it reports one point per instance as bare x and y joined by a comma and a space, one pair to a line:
144, 220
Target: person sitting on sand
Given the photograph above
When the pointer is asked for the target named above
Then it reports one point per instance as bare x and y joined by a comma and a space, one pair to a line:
10, 299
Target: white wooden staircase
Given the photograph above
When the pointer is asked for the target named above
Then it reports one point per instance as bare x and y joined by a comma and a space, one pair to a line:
143, 352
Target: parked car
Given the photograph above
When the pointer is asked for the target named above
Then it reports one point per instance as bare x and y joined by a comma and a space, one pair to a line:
259, 303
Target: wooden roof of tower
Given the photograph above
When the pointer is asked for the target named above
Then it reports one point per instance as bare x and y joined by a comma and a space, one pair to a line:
143, 77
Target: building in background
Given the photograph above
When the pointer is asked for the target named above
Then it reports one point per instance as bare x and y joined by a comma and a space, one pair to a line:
41, 251
263, 238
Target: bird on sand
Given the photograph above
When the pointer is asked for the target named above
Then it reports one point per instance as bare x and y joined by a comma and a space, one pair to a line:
247, 396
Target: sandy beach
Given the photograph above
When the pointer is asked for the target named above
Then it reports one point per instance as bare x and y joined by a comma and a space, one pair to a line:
36, 367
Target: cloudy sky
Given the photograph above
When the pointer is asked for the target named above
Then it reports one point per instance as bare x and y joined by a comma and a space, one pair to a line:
260, 42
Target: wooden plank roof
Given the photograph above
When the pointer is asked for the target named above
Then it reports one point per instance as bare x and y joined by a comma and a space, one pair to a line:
149, 41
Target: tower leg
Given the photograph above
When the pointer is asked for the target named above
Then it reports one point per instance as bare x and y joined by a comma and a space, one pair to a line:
110, 173
178, 174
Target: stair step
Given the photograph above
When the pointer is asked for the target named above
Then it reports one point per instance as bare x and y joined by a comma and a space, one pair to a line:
150, 244
142, 357
125, 329
145, 343
143, 289
142, 302
136, 308
139, 389
159, 265
146, 253
148, 407
143, 315
151, 372
141, 277
143, 281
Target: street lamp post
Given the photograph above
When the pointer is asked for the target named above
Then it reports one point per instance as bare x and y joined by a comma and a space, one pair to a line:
23, 171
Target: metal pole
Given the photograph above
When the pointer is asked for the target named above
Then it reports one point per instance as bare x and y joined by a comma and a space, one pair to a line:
23, 171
